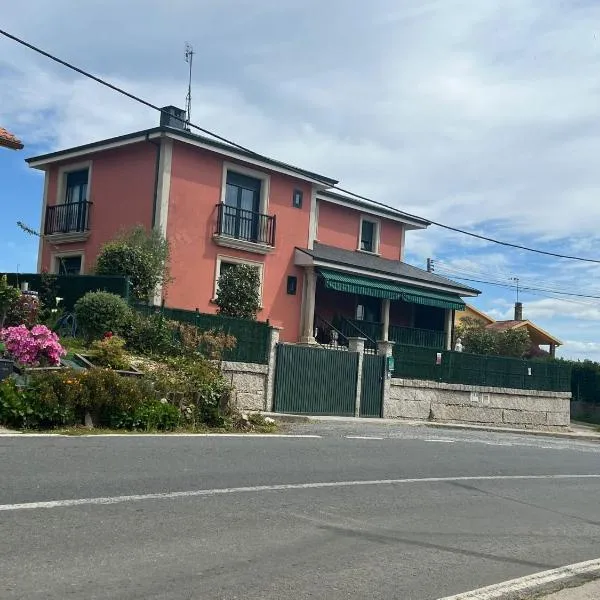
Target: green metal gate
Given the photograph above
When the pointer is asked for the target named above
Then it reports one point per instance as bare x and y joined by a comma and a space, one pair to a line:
371, 395
315, 381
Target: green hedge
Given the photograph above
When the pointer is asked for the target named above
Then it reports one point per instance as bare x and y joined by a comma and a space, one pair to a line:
72, 287
253, 338
474, 369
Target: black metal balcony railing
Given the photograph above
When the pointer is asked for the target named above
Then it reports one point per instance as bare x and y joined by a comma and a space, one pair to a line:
245, 225
71, 217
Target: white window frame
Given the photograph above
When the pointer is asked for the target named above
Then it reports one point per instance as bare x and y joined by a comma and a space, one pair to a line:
58, 255
222, 258
61, 184
376, 234
265, 186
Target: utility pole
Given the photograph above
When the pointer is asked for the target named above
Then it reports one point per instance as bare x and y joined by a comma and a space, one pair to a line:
430, 265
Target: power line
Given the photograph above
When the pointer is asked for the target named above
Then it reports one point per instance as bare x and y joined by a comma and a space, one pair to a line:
525, 288
487, 276
295, 169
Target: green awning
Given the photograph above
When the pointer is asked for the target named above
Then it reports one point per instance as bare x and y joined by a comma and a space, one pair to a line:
438, 299
363, 286
388, 290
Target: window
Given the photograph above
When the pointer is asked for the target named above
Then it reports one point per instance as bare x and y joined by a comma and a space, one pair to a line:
68, 265
367, 236
76, 186
242, 203
297, 199
292, 285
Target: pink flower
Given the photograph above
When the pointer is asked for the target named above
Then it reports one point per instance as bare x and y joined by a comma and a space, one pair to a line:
30, 348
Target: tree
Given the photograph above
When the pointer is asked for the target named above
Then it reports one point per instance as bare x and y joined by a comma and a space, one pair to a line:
238, 292
8, 296
477, 339
139, 255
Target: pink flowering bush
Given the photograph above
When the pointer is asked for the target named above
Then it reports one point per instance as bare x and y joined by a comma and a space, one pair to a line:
37, 346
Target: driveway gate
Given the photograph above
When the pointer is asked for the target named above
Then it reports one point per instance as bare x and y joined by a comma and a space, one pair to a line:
315, 381
371, 394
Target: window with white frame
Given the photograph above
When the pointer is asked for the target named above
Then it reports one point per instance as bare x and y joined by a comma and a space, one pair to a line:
226, 262
369, 235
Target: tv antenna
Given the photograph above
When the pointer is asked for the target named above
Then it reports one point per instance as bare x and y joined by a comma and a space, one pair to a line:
516, 280
189, 58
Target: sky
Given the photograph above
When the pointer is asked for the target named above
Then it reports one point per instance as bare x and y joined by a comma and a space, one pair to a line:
482, 115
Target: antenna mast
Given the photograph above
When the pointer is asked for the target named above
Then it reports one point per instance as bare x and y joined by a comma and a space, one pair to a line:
189, 58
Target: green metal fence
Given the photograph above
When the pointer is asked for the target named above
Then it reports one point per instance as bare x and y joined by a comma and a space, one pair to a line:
413, 362
585, 383
72, 287
253, 338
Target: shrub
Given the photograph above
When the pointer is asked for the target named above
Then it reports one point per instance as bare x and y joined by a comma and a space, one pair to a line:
477, 339
150, 335
238, 293
139, 255
110, 352
100, 312
48, 295
150, 415
197, 386
38, 346
24, 310
210, 344
24, 409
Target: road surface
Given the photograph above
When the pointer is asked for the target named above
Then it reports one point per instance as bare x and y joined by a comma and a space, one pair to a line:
405, 512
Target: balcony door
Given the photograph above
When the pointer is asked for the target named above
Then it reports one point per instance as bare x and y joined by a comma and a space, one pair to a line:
75, 198
242, 204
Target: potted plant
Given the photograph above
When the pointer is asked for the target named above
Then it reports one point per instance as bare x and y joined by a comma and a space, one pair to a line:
36, 349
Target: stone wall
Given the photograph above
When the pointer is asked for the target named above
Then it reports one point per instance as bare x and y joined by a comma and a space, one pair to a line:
498, 407
249, 382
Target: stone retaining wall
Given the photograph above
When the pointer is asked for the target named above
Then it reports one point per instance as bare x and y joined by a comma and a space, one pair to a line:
249, 382
453, 403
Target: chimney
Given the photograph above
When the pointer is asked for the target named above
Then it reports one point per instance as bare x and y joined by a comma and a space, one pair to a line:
171, 116
518, 311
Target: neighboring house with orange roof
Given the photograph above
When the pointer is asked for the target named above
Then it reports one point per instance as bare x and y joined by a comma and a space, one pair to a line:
539, 337
8, 140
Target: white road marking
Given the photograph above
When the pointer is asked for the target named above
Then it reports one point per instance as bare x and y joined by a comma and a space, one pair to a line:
440, 441
531, 583
362, 437
275, 488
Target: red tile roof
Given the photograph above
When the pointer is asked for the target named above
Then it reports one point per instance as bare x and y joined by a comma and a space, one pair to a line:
502, 325
8, 140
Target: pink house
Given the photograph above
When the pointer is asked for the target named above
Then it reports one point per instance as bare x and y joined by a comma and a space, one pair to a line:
331, 267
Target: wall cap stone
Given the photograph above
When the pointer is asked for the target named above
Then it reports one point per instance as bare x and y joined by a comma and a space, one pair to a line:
457, 387
238, 367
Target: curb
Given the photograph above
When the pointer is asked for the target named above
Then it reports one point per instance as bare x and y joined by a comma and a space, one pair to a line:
538, 584
567, 435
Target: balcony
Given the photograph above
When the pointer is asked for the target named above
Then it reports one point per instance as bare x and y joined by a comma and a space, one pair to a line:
67, 222
244, 229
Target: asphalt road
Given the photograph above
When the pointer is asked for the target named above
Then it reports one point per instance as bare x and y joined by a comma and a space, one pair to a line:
429, 533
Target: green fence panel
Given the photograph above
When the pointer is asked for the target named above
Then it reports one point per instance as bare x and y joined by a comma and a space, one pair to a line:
474, 369
371, 393
72, 287
253, 338
585, 384
314, 381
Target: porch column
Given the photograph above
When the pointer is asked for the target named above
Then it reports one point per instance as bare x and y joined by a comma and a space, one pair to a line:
307, 335
448, 329
385, 313
552, 350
